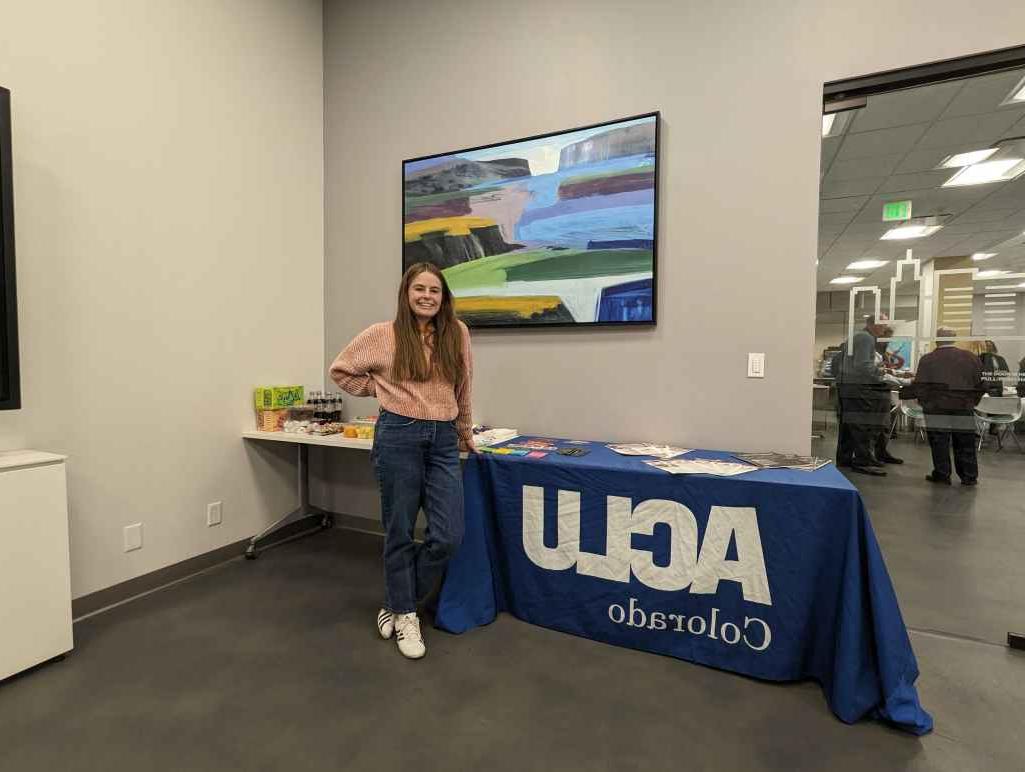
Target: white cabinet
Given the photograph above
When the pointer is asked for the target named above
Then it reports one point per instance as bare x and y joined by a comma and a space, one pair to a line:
35, 571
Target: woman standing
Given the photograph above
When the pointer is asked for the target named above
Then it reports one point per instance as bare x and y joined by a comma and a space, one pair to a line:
420, 368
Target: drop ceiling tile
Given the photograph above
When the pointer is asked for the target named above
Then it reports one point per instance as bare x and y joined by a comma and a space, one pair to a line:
848, 204
984, 94
867, 229
997, 235
829, 147
980, 213
911, 182
843, 257
881, 142
963, 227
1014, 221
1017, 130
835, 219
845, 188
969, 129
956, 200
862, 168
902, 108
929, 159
1008, 193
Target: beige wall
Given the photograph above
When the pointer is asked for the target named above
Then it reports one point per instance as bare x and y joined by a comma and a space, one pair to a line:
739, 85
168, 190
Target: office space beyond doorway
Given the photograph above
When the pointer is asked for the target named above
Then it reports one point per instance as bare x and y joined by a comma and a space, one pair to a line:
922, 224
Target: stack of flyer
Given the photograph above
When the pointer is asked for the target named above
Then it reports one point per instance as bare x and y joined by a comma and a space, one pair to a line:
488, 436
702, 466
782, 461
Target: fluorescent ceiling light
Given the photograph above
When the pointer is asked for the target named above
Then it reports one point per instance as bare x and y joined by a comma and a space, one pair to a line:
990, 274
846, 280
866, 265
988, 171
960, 160
910, 232
983, 255
834, 124
1017, 95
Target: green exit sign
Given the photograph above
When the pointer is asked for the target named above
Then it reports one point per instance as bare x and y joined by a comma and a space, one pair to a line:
897, 210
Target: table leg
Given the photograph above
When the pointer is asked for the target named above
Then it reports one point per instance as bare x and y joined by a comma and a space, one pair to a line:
304, 510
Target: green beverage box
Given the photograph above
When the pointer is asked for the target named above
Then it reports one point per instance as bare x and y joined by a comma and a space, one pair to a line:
277, 397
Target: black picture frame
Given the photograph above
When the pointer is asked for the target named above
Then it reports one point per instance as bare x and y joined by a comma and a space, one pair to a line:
657, 115
10, 377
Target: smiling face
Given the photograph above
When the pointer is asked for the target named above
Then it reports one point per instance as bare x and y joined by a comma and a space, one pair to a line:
424, 296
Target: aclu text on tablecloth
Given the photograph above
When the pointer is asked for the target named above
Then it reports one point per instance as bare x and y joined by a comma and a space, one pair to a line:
697, 564
687, 567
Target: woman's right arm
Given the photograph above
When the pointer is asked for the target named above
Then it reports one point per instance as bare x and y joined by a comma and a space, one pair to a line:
353, 369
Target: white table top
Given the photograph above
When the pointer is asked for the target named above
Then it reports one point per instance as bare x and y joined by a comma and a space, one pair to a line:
327, 440
23, 459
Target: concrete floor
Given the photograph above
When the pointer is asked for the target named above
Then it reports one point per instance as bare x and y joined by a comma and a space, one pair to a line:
275, 665
956, 555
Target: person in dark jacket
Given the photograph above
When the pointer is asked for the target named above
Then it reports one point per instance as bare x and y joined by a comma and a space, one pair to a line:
948, 385
864, 401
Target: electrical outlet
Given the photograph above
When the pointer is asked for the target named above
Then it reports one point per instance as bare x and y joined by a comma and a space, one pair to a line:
133, 537
213, 513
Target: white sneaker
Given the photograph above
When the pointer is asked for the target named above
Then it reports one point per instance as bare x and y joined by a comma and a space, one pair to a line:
407, 633
385, 623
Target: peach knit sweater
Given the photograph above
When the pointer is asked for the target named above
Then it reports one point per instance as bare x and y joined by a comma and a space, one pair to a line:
363, 369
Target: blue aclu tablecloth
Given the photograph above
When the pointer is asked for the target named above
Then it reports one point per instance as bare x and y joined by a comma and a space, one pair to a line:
775, 574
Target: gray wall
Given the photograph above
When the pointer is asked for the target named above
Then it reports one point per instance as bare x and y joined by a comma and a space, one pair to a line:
739, 85
168, 172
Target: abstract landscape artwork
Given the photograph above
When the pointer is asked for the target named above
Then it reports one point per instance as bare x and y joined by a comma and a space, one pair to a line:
557, 229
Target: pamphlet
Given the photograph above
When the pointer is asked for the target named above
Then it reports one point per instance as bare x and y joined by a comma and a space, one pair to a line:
493, 437
648, 449
702, 466
782, 461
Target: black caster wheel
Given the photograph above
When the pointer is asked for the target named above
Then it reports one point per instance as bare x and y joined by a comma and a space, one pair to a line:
327, 521
251, 552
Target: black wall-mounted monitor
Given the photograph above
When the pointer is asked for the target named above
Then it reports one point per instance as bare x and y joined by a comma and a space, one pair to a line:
10, 382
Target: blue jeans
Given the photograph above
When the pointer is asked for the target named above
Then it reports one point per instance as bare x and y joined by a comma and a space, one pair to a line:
417, 466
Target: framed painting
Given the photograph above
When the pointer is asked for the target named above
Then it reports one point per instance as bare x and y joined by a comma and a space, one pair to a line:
553, 230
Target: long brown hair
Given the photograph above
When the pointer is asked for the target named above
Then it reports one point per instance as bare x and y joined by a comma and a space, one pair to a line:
410, 363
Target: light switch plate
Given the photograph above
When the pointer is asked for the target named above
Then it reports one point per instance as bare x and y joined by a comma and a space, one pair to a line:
756, 365
133, 537
213, 513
